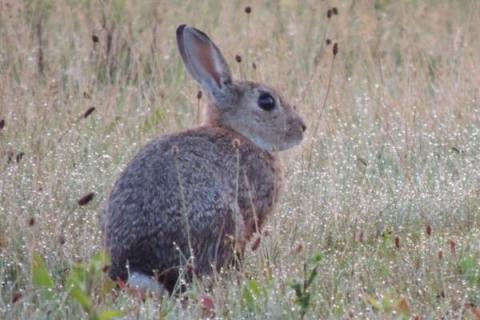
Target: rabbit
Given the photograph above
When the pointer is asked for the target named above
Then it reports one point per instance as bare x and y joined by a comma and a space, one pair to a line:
190, 201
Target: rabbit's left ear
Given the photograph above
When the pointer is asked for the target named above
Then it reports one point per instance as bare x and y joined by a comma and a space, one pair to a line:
203, 59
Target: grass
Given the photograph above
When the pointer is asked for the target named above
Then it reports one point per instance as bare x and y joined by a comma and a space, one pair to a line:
383, 198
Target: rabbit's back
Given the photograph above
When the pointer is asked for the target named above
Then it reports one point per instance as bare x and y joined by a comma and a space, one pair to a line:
201, 190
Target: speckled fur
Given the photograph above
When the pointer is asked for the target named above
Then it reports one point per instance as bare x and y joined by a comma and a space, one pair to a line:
192, 200
145, 225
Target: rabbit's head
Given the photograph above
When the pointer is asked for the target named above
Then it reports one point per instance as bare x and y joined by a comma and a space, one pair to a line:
254, 110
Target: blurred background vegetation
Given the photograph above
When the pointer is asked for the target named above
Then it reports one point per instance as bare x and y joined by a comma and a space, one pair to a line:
382, 206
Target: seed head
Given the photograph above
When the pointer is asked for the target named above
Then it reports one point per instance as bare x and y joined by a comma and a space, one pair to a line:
95, 38
86, 199
2, 124
88, 112
428, 230
61, 239
238, 58
31, 222
329, 13
199, 94
17, 296
361, 237
299, 249
332, 12
19, 156
254, 65
328, 42
335, 49
10, 155
362, 161
248, 9
207, 306
453, 247
397, 242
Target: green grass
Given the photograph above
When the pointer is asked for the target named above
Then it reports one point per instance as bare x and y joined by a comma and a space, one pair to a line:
386, 187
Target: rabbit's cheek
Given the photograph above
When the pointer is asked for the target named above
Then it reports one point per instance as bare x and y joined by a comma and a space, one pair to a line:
292, 138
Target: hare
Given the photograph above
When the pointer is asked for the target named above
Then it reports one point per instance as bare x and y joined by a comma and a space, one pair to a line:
190, 201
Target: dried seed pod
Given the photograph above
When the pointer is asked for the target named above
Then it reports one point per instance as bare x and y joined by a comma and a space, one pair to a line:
207, 305
61, 239
95, 38
397, 242
361, 237
428, 230
2, 124
238, 58
199, 94
335, 49
19, 156
299, 249
453, 247
17, 296
86, 199
248, 9
362, 161
10, 155
328, 42
88, 112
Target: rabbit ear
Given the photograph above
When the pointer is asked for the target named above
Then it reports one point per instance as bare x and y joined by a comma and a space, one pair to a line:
203, 59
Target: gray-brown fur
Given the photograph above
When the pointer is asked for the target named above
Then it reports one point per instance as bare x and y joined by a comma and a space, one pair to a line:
194, 198
146, 210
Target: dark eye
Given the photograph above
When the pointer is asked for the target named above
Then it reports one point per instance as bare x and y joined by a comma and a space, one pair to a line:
266, 101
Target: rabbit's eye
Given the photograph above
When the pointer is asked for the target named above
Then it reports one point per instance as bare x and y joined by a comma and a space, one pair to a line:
266, 101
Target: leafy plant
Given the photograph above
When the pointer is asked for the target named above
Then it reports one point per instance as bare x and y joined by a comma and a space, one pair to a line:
469, 268
253, 294
302, 287
41, 278
85, 284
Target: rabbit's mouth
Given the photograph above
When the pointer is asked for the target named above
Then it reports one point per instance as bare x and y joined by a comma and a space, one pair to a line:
293, 136
291, 141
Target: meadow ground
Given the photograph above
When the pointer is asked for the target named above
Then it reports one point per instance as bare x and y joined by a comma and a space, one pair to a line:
382, 208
